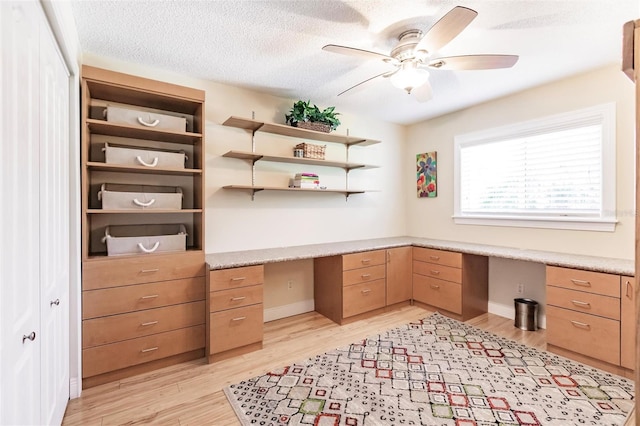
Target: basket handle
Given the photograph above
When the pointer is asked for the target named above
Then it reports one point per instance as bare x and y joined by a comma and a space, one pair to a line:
146, 123
151, 250
142, 203
144, 163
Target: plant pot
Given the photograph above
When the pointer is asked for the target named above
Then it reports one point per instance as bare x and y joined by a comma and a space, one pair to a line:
314, 125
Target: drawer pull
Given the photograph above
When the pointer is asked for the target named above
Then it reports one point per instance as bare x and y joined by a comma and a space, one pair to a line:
366, 261
238, 279
365, 276
582, 283
151, 296
239, 319
434, 286
146, 324
629, 289
580, 324
237, 299
433, 272
434, 257
147, 271
366, 291
579, 303
155, 348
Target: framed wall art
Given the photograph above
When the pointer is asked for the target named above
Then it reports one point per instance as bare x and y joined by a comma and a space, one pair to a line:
427, 173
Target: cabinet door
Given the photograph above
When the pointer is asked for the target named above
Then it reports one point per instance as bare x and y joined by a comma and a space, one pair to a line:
628, 322
399, 277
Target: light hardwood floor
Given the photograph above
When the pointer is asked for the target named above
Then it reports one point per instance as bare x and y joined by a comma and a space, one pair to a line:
191, 393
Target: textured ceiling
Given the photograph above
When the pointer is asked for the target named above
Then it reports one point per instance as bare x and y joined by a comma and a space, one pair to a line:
274, 46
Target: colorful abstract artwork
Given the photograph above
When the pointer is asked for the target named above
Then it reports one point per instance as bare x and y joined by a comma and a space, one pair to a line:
426, 166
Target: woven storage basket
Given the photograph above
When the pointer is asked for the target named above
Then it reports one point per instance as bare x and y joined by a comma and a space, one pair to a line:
310, 150
314, 125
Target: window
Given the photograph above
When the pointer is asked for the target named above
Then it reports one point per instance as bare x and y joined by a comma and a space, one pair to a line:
555, 172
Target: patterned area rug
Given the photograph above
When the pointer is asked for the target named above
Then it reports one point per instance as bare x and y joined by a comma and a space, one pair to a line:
437, 371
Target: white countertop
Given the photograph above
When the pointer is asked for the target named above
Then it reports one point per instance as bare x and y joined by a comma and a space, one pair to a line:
282, 254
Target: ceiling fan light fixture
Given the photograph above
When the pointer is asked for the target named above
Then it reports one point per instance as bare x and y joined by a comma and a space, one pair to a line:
409, 76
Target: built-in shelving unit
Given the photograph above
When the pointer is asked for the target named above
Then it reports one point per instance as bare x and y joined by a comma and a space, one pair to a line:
283, 130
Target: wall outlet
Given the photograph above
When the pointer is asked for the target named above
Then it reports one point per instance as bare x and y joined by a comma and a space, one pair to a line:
520, 288
289, 284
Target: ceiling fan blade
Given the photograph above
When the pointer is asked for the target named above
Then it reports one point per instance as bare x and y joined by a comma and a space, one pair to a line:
446, 29
352, 51
474, 62
423, 93
384, 74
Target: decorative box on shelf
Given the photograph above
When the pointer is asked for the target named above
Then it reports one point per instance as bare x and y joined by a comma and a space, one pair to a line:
314, 125
310, 150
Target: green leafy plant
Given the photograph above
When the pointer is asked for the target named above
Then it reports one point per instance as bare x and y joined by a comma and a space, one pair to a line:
303, 111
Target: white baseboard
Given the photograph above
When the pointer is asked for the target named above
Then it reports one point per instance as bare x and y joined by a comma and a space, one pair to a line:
290, 310
74, 389
510, 312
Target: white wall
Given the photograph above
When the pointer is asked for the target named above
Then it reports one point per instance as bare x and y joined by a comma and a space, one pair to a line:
432, 218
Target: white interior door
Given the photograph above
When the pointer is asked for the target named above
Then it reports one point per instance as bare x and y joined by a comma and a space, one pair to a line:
20, 233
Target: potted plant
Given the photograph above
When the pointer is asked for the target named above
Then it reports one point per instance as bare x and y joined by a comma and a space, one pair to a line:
303, 115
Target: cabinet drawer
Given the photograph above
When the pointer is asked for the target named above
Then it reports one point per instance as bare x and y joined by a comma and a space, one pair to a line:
576, 279
446, 273
102, 359
439, 293
365, 297
119, 300
236, 328
224, 279
141, 269
361, 275
582, 301
235, 298
586, 334
100, 331
361, 260
440, 257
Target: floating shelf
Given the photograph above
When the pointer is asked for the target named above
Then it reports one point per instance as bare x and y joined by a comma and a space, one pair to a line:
104, 167
102, 211
295, 132
254, 157
254, 189
108, 128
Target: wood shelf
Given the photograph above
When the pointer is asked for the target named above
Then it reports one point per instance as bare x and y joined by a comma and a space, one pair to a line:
257, 188
254, 157
104, 167
295, 132
102, 211
107, 128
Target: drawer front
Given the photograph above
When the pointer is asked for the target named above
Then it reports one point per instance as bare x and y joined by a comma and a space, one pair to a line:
440, 257
362, 275
364, 259
365, 297
439, 293
586, 334
101, 331
106, 358
446, 273
236, 328
581, 301
119, 300
225, 279
576, 279
235, 298
141, 269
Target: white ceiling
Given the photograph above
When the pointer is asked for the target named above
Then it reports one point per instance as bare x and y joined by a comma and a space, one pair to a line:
274, 46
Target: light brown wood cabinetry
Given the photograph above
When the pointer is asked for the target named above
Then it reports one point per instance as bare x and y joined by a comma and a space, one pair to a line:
587, 313
236, 313
142, 310
455, 283
399, 279
628, 322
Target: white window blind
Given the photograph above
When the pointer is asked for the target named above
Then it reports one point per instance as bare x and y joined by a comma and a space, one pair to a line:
557, 169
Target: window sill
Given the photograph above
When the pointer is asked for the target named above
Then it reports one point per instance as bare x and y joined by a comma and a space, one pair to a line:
581, 224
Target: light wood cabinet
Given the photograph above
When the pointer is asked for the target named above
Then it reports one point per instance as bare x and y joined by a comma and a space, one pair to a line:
628, 322
584, 314
235, 311
294, 132
399, 278
142, 310
454, 282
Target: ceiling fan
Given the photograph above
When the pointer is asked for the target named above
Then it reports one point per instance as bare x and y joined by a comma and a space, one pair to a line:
412, 55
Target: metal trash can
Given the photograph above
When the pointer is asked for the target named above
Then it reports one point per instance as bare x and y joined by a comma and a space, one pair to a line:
526, 314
